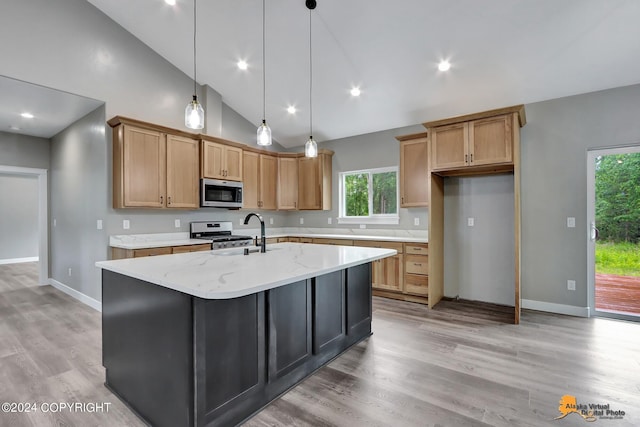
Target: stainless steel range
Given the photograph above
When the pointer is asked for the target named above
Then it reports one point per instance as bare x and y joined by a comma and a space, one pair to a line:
220, 233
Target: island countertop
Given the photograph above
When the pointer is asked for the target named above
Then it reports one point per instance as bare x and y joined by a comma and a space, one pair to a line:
225, 274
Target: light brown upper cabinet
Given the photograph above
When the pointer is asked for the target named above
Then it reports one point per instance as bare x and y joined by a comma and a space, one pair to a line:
314, 181
414, 170
260, 181
153, 169
287, 183
220, 161
474, 143
182, 172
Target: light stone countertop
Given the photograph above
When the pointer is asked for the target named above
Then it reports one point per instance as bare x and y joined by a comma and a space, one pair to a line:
158, 240
145, 241
225, 274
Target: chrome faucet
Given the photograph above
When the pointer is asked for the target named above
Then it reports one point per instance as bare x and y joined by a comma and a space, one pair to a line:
263, 240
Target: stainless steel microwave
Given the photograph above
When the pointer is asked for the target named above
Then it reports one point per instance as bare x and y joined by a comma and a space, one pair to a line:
216, 193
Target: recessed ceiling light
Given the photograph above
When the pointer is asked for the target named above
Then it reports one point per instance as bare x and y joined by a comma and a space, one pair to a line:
291, 109
355, 91
170, 2
243, 65
444, 65
27, 115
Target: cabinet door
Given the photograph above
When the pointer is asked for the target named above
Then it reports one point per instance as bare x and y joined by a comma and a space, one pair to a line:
182, 172
416, 284
144, 168
388, 273
137, 253
212, 160
287, 183
250, 178
268, 182
490, 141
414, 173
449, 146
233, 164
309, 183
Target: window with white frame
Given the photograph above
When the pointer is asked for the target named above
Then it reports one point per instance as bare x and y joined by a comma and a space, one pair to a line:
369, 196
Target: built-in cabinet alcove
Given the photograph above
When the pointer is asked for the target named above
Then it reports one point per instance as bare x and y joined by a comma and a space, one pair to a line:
480, 144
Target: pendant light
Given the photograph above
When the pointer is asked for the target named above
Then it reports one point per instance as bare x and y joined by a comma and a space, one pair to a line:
194, 113
264, 132
310, 147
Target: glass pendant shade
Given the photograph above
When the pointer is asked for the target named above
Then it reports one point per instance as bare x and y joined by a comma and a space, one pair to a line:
264, 134
194, 114
311, 148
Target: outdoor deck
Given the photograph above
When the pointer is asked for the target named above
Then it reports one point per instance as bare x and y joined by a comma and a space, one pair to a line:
618, 293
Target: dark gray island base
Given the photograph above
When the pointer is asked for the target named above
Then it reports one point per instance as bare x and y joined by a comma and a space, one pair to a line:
180, 360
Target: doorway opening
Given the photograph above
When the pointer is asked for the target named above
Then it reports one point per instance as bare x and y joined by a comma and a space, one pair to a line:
614, 232
42, 224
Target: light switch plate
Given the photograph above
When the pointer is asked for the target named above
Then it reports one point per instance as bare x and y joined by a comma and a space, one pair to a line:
176, 223
571, 222
301, 221
416, 221
329, 220
471, 222
99, 224
363, 225
55, 222
125, 224
270, 221
571, 285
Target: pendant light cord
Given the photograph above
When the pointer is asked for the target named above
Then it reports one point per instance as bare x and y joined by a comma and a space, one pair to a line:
264, 70
195, 2
310, 82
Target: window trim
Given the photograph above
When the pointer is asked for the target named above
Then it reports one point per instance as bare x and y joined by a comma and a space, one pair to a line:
390, 219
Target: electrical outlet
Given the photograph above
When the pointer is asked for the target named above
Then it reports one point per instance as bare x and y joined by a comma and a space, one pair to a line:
571, 222
99, 224
270, 221
329, 220
571, 285
176, 223
471, 221
55, 222
301, 221
125, 224
363, 225
69, 271
416, 221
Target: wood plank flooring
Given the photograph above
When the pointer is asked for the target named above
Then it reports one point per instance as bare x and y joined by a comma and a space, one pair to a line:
618, 294
456, 365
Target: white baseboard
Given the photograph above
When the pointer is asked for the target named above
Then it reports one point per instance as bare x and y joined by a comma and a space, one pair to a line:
95, 304
19, 260
551, 307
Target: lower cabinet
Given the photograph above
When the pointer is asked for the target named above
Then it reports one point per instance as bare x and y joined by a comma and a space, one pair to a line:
120, 253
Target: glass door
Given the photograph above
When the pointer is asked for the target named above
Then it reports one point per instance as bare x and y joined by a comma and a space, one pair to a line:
613, 185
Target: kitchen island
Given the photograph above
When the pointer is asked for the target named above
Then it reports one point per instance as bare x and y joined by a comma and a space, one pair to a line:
210, 338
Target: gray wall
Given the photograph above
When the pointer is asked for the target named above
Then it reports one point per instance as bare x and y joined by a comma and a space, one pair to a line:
554, 185
24, 151
479, 260
373, 150
18, 216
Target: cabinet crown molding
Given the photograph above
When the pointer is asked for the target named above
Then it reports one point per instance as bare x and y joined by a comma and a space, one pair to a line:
522, 118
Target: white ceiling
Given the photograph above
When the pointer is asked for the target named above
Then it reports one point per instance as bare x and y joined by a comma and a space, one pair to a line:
52, 109
503, 52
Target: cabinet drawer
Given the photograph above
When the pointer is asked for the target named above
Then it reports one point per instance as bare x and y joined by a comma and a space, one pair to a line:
416, 248
190, 248
306, 240
417, 264
151, 252
379, 244
416, 284
343, 242
294, 239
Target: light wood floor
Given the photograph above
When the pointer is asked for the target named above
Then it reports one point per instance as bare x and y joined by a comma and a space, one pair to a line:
456, 365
